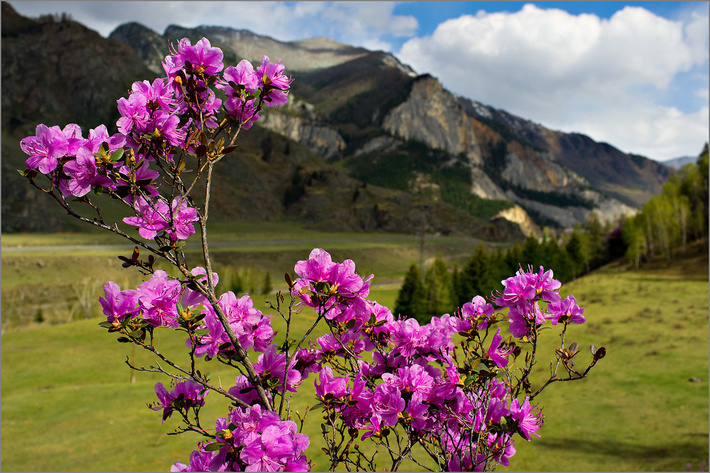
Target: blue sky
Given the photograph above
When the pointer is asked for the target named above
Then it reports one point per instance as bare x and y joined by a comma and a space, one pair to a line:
632, 74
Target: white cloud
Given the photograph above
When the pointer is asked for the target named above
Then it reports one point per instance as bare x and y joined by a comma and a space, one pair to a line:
580, 71
357, 23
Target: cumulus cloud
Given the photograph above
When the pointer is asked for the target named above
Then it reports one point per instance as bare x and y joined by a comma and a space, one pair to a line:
579, 71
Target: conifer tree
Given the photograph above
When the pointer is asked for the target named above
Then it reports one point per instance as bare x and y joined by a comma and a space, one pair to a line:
438, 290
411, 299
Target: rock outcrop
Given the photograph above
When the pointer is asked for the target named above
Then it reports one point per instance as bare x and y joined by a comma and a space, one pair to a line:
322, 140
431, 115
520, 217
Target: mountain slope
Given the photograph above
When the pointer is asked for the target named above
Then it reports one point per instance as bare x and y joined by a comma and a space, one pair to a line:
370, 102
363, 144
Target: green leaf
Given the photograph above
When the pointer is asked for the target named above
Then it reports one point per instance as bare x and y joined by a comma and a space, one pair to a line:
116, 155
213, 447
124, 340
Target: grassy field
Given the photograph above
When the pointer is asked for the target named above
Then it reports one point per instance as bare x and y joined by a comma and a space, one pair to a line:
58, 278
68, 403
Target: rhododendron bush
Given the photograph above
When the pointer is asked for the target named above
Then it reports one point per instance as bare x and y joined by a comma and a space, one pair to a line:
453, 394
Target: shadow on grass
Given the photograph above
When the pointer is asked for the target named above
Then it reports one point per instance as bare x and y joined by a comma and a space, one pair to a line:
696, 446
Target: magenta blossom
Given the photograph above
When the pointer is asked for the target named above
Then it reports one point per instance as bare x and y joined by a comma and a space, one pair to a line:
202, 57
497, 354
118, 305
241, 75
524, 317
545, 285
183, 216
411, 379
566, 311
82, 173
476, 313
159, 94
151, 218
279, 448
158, 300
529, 422
274, 83
244, 112
330, 386
185, 395
45, 148
199, 461
272, 364
134, 114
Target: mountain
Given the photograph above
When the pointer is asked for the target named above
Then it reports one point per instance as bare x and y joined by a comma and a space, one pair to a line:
677, 163
365, 143
54, 71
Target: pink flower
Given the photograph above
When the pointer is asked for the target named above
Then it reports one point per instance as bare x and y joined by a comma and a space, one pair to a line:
387, 403
273, 82
411, 379
523, 318
545, 285
158, 300
142, 177
516, 288
408, 337
316, 268
330, 387
81, 172
166, 124
250, 325
566, 311
242, 111
503, 447
185, 395
134, 114
151, 218
496, 354
241, 75
75, 141
183, 216
272, 364
202, 57
45, 148
158, 94
477, 313
528, 422
117, 304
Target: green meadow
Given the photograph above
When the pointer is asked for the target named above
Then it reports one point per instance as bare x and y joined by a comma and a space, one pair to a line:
70, 403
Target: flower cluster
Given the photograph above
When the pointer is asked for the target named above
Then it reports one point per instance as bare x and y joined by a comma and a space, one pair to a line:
251, 439
415, 380
183, 397
158, 121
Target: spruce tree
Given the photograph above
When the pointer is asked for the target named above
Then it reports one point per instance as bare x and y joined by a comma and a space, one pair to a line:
411, 299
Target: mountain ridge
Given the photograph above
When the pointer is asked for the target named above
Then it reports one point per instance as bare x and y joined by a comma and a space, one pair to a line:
395, 151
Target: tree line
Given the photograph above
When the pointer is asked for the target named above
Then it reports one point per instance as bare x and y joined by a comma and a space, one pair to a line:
672, 219
665, 225
441, 289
